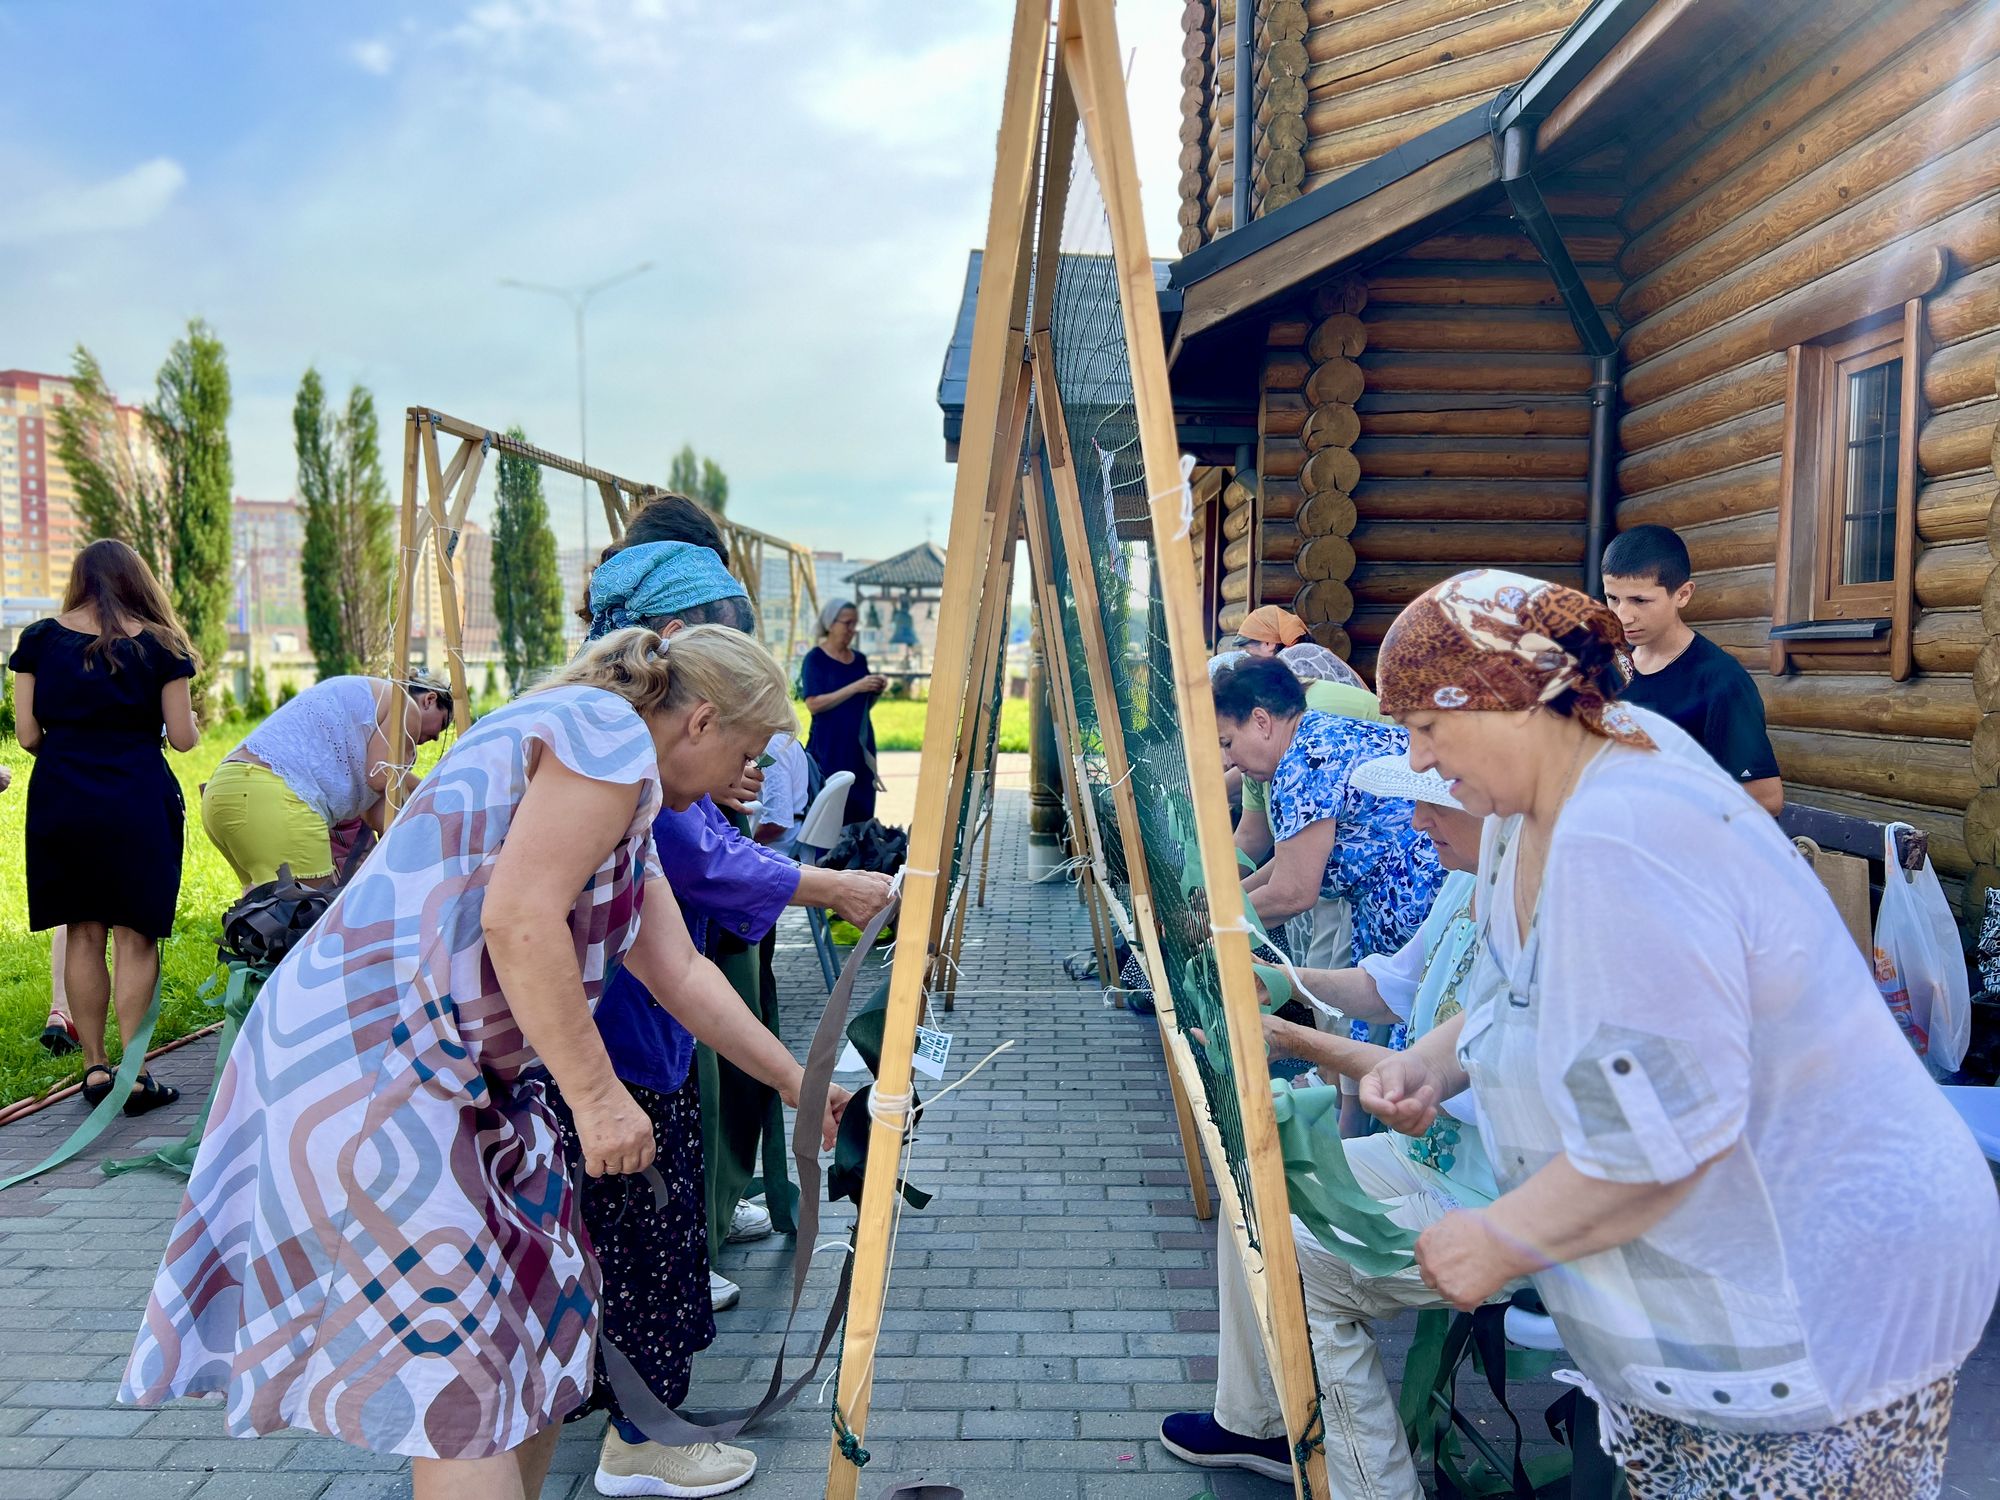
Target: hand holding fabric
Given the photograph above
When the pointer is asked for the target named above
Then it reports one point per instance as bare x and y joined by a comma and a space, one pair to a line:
616, 1135
859, 894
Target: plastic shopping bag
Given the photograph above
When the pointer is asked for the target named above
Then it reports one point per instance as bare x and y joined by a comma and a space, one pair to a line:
1919, 966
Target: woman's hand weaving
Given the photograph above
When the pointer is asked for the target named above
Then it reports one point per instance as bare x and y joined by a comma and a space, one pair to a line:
616, 1135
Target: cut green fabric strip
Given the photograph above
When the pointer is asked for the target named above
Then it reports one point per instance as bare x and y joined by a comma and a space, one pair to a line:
130, 1066
1345, 1220
238, 995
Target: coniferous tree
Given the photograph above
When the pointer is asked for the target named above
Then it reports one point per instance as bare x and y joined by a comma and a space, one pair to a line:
349, 560
118, 486
189, 422
527, 587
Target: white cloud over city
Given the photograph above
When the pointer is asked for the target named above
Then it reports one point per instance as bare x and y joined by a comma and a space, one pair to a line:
807, 181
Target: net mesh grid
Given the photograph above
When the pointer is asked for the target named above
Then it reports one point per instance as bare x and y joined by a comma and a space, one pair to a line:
1094, 377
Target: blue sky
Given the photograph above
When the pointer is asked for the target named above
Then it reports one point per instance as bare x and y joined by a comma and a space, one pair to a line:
346, 185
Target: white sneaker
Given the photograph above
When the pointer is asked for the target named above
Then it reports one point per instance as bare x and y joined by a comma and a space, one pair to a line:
650, 1469
751, 1221
723, 1294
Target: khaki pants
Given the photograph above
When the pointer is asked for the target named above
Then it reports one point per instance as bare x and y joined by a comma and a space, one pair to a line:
1366, 1455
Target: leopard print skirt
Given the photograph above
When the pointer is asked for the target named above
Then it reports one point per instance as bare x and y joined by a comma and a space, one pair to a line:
1895, 1452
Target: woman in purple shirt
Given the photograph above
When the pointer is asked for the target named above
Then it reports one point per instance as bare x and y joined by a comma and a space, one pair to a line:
658, 1307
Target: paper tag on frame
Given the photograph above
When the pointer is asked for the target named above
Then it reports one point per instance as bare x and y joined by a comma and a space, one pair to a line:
932, 1052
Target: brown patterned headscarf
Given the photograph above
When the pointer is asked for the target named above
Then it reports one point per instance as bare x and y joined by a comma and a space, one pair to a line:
1501, 642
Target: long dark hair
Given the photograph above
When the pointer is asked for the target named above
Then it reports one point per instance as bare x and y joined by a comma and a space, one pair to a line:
116, 584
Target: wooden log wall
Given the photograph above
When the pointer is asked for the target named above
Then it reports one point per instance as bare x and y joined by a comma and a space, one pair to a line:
1378, 74
1218, 133
1197, 81
1472, 424
1339, 82
1862, 133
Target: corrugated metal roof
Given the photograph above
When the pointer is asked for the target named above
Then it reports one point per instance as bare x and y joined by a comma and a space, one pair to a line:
921, 567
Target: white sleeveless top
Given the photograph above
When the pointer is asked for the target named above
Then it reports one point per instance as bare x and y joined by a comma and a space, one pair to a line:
318, 746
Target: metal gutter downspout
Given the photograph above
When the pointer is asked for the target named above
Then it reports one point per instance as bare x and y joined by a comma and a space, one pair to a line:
1517, 157
1246, 111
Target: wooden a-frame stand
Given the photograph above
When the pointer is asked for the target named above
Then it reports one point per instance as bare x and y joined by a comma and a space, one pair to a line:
431, 526
1088, 87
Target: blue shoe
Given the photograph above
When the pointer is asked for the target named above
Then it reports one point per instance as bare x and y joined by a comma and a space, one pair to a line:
1195, 1437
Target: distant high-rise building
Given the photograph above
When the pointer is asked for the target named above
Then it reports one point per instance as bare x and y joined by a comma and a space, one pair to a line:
40, 530
268, 539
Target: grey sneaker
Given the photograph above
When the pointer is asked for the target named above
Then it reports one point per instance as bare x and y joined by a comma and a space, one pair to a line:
751, 1221
651, 1469
723, 1293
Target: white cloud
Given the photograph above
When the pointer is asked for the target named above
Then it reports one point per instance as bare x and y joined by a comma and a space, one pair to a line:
373, 56
131, 200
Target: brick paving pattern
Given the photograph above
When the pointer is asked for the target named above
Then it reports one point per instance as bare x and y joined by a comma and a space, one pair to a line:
1052, 1304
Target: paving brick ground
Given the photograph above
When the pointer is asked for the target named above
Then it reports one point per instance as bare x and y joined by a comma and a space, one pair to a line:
1054, 1302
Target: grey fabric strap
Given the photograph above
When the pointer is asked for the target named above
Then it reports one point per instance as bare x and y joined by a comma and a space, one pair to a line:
645, 1410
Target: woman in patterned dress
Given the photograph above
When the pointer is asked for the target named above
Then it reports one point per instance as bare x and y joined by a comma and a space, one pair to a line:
1767, 1239
381, 1239
1332, 838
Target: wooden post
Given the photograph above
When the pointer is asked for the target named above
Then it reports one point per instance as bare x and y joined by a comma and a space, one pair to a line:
1003, 282
1090, 59
407, 557
447, 580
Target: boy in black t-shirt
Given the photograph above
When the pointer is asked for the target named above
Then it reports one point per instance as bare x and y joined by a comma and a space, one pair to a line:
1681, 675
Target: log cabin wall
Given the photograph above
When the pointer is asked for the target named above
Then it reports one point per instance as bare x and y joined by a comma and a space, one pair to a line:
1860, 136
1474, 412
1340, 82
1197, 83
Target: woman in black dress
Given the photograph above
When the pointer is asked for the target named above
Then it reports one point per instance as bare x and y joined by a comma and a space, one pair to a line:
95, 689
839, 690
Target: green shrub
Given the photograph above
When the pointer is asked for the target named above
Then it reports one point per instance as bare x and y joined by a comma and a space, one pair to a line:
259, 704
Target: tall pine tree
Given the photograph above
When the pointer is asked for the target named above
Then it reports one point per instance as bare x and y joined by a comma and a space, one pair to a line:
349, 560
189, 423
527, 587
119, 489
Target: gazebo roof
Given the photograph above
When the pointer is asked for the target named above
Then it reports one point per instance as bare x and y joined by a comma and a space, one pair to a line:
921, 567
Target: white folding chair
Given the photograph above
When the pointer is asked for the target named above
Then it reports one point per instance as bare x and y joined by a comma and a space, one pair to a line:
818, 834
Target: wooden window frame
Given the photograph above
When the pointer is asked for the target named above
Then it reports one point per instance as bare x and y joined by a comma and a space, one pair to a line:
1811, 495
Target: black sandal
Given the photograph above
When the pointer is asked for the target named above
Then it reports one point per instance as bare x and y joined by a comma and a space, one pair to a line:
148, 1096
94, 1094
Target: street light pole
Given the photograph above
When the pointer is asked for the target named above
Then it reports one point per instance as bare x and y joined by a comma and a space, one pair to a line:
578, 299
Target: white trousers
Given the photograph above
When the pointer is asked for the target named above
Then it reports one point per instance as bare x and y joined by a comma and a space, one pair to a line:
1367, 1457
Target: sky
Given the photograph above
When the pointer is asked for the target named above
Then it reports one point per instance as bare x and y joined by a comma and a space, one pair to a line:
346, 186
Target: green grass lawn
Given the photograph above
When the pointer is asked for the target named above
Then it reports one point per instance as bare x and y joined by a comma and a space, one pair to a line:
187, 958
899, 724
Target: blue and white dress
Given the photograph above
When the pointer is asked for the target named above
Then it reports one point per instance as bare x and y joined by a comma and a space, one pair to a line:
1386, 870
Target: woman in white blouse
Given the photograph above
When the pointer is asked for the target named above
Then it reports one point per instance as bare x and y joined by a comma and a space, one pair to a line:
1766, 1238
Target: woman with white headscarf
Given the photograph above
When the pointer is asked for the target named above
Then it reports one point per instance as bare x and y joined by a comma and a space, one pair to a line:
839, 690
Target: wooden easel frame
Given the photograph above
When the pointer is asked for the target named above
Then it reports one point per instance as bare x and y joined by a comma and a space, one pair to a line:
989, 467
1088, 71
432, 523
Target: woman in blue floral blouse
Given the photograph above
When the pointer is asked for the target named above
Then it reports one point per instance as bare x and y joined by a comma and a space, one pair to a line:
1332, 838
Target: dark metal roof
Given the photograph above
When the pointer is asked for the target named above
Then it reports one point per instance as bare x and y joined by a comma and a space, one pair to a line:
921, 567
958, 353
1579, 49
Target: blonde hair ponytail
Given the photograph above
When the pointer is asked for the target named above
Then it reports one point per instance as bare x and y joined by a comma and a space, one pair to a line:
702, 664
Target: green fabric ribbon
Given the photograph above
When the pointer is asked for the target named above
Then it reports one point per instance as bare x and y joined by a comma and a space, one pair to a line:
238, 995
1345, 1220
130, 1066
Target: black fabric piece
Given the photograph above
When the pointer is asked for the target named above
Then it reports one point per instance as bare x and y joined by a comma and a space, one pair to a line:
869, 845
1707, 694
